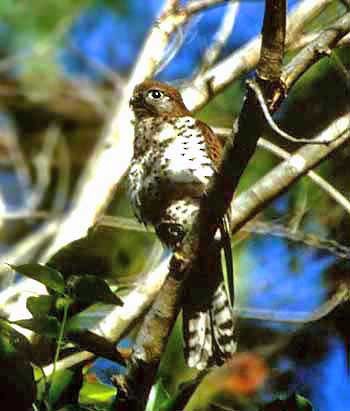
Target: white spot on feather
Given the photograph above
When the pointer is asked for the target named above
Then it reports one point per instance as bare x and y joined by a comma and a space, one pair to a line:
185, 162
166, 133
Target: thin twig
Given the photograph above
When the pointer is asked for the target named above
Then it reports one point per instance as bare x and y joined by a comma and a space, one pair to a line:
123, 223
220, 38
26, 215
259, 95
108, 73
196, 6
308, 239
316, 178
43, 165
341, 295
63, 185
19, 162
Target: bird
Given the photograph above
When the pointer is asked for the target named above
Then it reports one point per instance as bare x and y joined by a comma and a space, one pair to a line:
175, 156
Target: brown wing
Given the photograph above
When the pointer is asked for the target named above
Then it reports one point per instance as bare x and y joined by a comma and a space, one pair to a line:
215, 152
213, 143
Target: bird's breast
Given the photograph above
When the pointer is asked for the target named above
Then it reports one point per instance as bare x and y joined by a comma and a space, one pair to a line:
170, 163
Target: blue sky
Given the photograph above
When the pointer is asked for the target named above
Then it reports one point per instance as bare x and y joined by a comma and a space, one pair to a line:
102, 35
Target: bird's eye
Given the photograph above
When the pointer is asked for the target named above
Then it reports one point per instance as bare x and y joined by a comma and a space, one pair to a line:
155, 94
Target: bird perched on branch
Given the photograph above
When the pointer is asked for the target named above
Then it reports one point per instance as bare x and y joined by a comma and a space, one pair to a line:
175, 156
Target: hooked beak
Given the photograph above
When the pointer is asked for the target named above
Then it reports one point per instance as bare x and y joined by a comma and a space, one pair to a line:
135, 101
132, 102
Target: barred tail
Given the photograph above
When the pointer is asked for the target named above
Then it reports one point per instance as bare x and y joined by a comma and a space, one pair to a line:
208, 322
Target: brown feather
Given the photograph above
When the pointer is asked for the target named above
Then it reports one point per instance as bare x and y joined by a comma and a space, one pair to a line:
214, 145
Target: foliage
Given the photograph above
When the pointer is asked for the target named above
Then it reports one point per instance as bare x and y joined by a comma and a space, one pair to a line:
51, 319
292, 403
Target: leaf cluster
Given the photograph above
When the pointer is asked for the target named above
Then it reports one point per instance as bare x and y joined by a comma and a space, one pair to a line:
56, 317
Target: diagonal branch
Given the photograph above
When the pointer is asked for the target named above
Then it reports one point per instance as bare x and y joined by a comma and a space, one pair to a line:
277, 181
280, 152
220, 39
315, 50
246, 58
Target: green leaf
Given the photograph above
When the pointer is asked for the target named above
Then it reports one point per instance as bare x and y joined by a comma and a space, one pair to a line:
40, 306
60, 381
96, 393
183, 394
157, 397
46, 275
295, 402
91, 289
48, 326
303, 404
12, 343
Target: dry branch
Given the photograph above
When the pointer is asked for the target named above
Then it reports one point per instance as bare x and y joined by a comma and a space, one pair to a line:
245, 59
278, 151
315, 50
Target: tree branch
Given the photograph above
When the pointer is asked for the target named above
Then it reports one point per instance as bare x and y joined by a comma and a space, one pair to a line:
280, 152
277, 181
221, 36
273, 40
196, 6
314, 51
308, 239
246, 58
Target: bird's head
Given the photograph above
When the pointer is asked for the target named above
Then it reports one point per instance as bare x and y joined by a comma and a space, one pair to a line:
153, 98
